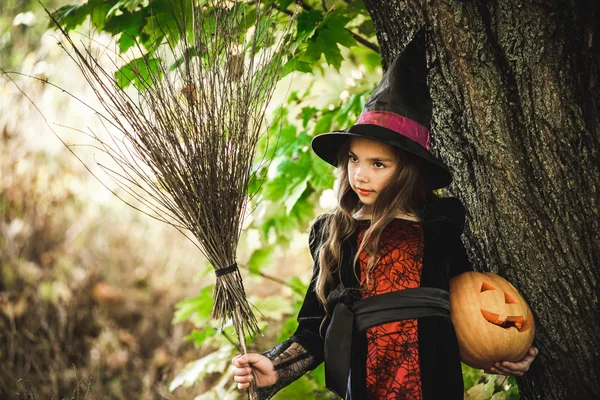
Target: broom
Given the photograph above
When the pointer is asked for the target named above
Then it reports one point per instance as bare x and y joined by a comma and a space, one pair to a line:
186, 144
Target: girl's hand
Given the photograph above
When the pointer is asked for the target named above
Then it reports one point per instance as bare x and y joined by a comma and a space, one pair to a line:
250, 366
517, 368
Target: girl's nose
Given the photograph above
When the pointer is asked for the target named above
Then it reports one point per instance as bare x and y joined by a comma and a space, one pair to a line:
359, 176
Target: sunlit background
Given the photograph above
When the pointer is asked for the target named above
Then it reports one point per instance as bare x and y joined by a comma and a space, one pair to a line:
88, 285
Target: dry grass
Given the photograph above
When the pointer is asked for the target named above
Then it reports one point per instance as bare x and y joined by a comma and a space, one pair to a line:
86, 289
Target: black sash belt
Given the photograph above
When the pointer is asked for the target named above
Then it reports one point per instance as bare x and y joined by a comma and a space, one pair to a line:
364, 313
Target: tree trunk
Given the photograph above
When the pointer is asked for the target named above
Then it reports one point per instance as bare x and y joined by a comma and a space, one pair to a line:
516, 117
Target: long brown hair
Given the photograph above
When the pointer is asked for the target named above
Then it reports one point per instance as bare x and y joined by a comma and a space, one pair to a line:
407, 192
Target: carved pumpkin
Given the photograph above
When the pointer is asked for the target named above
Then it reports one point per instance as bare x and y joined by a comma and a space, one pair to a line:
492, 321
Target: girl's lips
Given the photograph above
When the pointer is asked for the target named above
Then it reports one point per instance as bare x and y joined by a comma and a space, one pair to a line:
364, 192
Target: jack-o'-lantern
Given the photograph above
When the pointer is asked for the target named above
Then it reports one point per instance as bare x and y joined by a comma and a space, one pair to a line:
492, 321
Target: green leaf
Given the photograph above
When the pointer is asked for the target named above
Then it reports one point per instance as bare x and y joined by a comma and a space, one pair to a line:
307, 114
199, 307
513, 389
214, 362
70, 17
142, 72
162, 21
321, 175
371, 60
367, 28
351, 109
326, 38
128, 27
333, 56
263, 36
296, 64
471, 376
288, 329
287, 135
260, 258
300, 389
293, 196
199, 336
304, 209
284, 4
283, 225
126, 41
297, 283
307, 23
125, 5
247, 16
324, 123
335, 23
481, 391
319, 375
293, 98
125, 22
288, 170
315, 50
99, 14
273, 307
279, 135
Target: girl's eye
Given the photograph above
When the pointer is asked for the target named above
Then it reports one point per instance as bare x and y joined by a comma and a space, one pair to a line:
379, 165
352, 158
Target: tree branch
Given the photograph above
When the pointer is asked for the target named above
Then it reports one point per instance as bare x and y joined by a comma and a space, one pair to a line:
364, 41
275, 279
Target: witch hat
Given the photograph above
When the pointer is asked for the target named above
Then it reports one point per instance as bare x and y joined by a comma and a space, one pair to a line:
397, 113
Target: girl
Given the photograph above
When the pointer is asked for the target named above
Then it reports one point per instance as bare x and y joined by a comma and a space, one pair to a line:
377, 308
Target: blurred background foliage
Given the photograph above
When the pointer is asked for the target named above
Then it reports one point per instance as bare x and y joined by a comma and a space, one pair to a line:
97, 301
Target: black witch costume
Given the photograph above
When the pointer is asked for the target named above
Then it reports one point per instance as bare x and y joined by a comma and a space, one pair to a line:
394, 340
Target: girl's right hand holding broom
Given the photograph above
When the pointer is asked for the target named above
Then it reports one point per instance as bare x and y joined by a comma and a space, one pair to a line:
253, 366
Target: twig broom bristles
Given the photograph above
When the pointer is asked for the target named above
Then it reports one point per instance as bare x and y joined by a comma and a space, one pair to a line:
188, 141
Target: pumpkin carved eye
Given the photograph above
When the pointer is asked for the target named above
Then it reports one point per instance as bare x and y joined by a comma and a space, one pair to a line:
508, 299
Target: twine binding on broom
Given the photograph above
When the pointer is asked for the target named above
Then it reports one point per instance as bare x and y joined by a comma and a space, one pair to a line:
227, 270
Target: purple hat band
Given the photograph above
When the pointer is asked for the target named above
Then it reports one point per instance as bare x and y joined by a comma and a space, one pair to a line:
397, 123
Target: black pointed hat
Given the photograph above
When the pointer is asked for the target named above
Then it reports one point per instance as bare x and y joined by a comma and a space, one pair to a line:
397, 113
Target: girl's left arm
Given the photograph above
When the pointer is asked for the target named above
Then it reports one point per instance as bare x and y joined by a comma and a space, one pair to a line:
514, 368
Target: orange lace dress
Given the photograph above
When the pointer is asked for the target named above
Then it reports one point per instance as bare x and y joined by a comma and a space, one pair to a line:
392, 364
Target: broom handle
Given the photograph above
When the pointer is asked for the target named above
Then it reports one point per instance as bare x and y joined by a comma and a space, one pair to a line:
252, 395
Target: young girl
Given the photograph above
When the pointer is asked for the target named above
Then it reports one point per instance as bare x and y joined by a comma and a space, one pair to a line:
377, 308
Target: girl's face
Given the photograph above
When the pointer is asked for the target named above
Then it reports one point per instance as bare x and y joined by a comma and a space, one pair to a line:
371, 165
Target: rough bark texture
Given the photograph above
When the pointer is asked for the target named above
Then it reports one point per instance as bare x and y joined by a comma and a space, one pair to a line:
516, 117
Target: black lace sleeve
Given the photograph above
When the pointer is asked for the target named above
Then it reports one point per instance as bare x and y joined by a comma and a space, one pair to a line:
290, 361
303, 351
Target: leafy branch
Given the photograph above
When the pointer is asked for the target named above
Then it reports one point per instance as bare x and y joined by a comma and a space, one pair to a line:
360, 39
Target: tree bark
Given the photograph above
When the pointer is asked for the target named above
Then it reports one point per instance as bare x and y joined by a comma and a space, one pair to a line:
516, 117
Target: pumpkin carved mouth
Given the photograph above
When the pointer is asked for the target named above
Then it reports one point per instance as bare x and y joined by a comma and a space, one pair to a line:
510, 321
